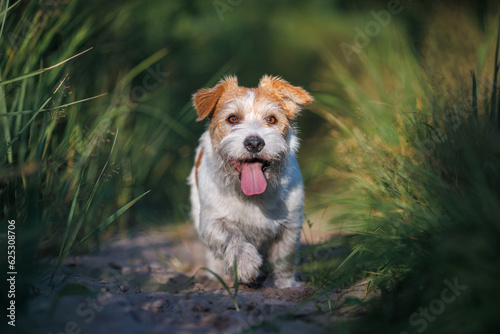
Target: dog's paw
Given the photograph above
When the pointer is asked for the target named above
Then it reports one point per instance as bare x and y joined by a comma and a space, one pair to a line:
248, 263
289, 282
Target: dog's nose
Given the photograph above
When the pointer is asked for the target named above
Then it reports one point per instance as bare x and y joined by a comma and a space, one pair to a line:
254, 144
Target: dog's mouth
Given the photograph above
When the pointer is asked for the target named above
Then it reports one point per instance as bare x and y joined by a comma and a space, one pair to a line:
252, 179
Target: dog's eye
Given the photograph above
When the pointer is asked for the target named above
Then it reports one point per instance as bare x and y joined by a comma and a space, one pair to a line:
233, 119
271, 120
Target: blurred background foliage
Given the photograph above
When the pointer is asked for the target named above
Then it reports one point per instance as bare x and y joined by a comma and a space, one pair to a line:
387, 148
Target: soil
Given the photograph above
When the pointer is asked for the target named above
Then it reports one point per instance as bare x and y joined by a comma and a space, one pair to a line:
151, 282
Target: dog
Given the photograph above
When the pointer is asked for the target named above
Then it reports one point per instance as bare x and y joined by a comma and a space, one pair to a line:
247, 194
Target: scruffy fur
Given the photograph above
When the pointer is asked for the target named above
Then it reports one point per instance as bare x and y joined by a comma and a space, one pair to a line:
231, 224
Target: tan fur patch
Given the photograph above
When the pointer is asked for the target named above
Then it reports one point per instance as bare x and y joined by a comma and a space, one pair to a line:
263, 98
273, 97
206, 100
197, 165
292, 96
219, 126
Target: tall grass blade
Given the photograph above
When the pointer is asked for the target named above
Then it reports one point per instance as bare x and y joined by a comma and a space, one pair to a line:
6, 127
142, 66
3, 104
40, 71
111, 218
27, 112
224, 285
496, 85
5, 12
4, 16
66, 232
494, 102
235, 277
83, 215
333, 120
474, 95
38, 111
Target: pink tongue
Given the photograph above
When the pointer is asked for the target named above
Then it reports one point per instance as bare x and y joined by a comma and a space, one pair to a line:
253, 181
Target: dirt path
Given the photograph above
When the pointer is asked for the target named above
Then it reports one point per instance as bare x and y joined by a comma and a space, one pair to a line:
151, 283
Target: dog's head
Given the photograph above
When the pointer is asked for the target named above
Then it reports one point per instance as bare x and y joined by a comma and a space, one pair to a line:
250, 128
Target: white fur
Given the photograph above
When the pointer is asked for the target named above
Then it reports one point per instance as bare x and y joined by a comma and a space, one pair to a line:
258, 220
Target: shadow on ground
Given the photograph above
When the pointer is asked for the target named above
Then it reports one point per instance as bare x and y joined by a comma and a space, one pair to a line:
151, 282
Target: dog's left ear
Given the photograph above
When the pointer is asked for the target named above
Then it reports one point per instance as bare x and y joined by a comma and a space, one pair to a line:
294, 97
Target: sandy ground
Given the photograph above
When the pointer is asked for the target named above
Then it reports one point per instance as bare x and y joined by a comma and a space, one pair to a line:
151, 282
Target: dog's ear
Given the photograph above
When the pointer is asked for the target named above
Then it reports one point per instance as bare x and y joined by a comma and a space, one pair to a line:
205, 100
294, 97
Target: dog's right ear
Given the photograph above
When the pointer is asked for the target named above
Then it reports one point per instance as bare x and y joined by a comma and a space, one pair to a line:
205, 100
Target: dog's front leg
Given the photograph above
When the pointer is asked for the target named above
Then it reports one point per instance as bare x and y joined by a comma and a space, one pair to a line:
281, 255
227, 243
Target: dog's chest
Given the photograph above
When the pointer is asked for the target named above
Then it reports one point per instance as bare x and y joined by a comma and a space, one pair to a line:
259, 223
266, 214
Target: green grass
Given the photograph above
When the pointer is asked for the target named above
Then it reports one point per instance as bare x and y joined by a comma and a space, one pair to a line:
402, 142
224, 285
60, 169
422, 157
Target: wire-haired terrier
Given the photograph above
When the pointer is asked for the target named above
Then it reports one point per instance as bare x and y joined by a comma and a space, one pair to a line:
246, 188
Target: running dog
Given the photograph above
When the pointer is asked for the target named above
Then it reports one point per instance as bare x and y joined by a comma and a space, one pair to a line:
247, 195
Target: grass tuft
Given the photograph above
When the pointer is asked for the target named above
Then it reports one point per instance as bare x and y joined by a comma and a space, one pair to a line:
224, 285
